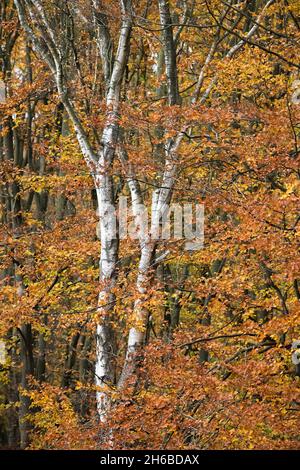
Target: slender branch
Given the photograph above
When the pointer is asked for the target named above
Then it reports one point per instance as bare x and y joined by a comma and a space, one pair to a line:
213, 338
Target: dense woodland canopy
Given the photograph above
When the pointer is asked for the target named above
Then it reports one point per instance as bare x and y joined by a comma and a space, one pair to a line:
142, 344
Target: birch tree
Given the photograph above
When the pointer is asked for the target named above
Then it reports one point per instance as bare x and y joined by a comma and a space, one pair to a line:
40, 28
162, 195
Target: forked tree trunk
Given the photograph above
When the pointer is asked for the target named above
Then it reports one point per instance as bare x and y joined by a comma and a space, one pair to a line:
99, 161
161, 199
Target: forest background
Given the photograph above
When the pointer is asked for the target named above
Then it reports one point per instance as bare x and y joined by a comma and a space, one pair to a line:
142, 343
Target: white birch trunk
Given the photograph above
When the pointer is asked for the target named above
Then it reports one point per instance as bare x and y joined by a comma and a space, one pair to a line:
160, 200
99, 162
105, 341
137, 332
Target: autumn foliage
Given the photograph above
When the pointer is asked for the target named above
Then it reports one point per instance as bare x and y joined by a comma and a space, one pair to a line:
214, 370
